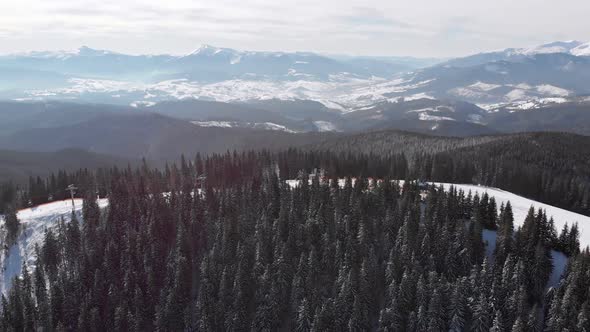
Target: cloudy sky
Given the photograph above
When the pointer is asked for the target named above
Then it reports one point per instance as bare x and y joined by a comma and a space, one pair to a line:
427, 28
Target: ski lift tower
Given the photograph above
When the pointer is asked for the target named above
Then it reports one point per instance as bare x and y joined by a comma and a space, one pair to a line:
200, 181
72, 189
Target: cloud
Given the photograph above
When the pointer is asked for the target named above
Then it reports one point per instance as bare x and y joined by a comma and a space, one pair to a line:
379, 27
372, 17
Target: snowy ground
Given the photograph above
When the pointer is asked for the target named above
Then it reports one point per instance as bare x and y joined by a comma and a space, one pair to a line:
34, 221
520, 209
521, 206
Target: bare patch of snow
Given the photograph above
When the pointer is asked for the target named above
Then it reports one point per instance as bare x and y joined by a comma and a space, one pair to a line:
516, 94
468, 93
475, 118
218, 124
272, 126
143, 103
324, 126
34, 221
417, 96
551, 90
422, 110
521, 206
481, 86
428, 117
581, 50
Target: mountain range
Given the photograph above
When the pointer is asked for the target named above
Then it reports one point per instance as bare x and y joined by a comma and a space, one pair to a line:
554, 70
159, 106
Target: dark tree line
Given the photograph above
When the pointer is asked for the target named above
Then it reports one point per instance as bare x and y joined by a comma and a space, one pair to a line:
550, 167
560, 179
550, 170
8, 196
242, 251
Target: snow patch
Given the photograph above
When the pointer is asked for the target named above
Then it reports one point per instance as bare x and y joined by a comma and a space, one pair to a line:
428, 117
34, 221
272, 126
324, 126
551, 90
516, 94
218, 124
581, 50
235, 60
142, 103
521, 206
417, 96
534, 103
559, 265
475, 118
489, 238
481, 86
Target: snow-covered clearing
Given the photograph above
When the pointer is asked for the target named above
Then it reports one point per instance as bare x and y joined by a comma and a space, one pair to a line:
34, 221
323, 126
521, 206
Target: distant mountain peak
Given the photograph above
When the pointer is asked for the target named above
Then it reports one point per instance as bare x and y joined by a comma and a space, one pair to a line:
88, 51
581, 50
206, 49
549, 48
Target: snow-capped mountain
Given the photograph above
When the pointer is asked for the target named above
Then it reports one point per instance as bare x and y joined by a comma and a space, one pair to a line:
206, 64
572, 47
209, 73
582, 49
555, 70
514, 75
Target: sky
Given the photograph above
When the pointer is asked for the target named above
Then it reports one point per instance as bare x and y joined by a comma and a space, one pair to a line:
423, 28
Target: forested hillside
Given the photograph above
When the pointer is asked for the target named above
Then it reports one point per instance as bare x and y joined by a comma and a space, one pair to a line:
18, 166
551, 167
241, 250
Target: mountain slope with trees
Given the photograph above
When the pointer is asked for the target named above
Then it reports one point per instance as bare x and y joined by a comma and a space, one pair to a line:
549, 167
250, 252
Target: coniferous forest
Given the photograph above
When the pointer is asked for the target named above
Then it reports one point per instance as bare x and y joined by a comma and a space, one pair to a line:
316, 166
240, 250
552, 169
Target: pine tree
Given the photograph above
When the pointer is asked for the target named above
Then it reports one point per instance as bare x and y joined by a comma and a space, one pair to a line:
304, 317
436, 321
482, 320
27, 299
519, 326
504, 242
458, 310
583, 319
498, 324
12, 225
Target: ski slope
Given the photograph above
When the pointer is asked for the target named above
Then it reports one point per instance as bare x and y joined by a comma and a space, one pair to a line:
34, 221
521, 206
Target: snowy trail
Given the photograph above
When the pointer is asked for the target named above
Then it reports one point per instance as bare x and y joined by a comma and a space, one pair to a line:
34, 221
521, 206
